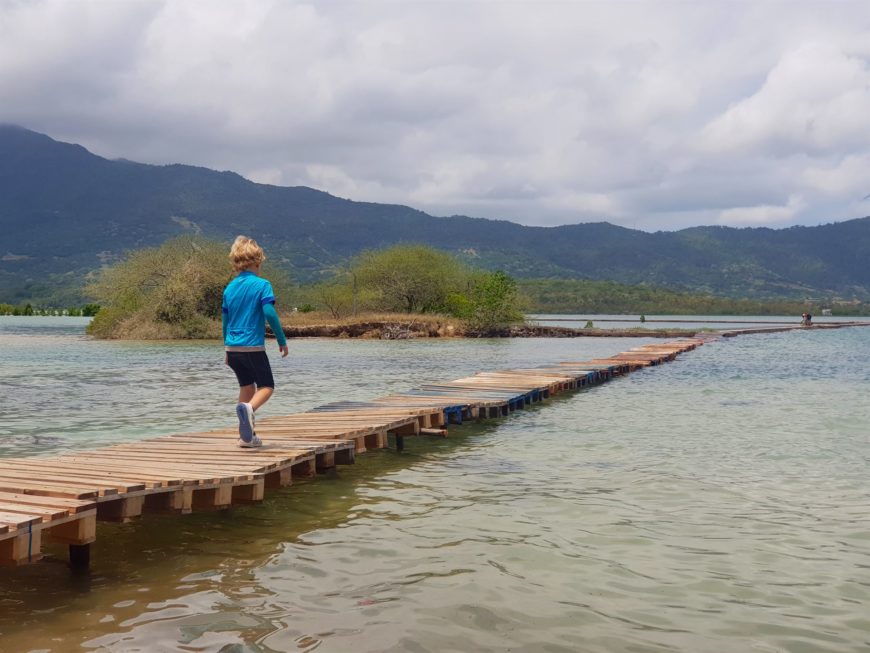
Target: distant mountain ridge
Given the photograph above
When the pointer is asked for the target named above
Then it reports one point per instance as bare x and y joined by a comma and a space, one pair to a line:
65, 211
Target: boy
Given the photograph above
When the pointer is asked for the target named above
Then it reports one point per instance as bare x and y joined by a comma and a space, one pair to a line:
248, 304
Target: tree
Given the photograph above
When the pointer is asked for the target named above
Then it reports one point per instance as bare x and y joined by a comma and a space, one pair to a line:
171, 291
336, 295
494, 302
410, 278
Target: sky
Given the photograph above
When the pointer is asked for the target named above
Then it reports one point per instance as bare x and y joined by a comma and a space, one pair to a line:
651, 115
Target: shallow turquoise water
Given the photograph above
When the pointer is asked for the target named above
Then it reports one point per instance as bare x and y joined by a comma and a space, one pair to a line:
718, 503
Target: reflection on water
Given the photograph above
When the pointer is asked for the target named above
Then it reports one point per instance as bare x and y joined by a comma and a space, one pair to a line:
719, 503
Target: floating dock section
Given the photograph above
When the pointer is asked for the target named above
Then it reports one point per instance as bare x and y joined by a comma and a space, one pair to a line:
61, 498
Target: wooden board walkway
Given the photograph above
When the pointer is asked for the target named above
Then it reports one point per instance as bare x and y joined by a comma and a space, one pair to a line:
795, 327
60, 498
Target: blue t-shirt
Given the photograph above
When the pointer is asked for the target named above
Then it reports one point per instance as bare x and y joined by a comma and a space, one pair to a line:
244, 298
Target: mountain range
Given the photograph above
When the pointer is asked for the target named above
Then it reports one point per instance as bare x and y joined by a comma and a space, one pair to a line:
65, 212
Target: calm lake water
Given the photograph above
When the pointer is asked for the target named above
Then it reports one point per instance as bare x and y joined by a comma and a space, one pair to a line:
717, 503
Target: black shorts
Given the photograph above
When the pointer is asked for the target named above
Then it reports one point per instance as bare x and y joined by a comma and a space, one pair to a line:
251, 367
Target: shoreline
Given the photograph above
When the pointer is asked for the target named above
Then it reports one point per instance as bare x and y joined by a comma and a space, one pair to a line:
416, 328
408, 330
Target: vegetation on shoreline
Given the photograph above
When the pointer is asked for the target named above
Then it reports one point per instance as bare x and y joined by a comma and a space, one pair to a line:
570, 296
388, 326
88, 310
415, 279
332, 302
174, 292
401, 326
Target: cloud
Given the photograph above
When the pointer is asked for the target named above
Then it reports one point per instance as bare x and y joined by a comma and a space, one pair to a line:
815, 100
762, 215
846, 177
653, 115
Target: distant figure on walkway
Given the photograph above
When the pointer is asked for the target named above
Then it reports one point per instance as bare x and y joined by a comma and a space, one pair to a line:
807, 319
248, 303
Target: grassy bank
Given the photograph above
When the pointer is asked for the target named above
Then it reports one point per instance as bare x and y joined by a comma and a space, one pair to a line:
399, 326
384, 326
371, 325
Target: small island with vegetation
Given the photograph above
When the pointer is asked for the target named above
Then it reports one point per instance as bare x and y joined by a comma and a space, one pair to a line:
173, 291
405, 291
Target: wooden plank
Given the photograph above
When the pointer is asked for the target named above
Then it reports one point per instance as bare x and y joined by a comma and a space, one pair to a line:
203, 475
99, 475
72, 477
72, 505
47, 514
269, 454
17, 521
49, 489
141, 473
178, 472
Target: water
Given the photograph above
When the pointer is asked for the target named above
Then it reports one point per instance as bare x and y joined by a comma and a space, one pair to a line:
717, 503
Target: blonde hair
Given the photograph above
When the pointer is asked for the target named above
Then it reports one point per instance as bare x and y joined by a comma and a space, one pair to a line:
246, 253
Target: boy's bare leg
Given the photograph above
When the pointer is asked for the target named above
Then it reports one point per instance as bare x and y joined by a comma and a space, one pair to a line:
251, 394
260, 397
246, 393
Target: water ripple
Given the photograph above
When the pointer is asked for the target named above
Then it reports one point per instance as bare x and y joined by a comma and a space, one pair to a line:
716, 504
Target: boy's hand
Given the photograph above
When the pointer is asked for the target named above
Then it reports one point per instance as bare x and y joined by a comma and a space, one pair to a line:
284, 349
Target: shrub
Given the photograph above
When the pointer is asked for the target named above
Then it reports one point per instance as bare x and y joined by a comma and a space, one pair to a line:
409, 278
171, 291
493, 302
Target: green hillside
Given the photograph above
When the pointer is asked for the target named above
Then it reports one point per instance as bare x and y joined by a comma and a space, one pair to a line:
65, 212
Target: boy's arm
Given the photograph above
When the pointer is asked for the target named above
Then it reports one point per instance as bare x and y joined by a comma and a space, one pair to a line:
224, 329
275, 323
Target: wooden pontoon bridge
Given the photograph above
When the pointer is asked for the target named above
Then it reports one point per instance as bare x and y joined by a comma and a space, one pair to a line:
61, 498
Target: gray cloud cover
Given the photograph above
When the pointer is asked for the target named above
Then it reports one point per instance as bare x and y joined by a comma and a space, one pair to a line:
653, 115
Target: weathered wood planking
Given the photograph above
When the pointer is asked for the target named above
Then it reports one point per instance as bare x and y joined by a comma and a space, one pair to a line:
25, 519
61, 497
